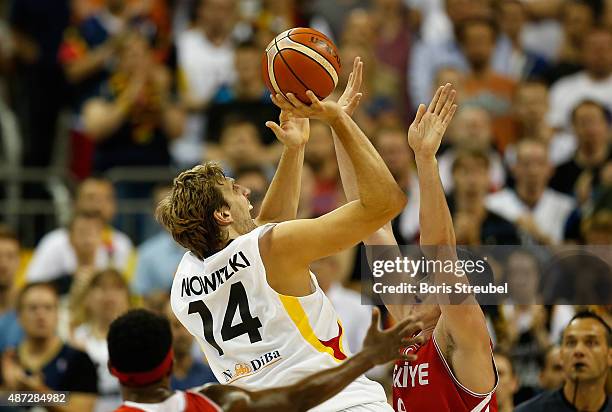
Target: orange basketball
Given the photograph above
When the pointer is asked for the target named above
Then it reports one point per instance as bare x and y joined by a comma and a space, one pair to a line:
301, 59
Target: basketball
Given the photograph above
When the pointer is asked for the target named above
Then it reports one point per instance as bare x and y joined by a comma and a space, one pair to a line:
301, 59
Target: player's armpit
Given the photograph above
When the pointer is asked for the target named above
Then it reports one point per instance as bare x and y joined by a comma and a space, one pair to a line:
463, 337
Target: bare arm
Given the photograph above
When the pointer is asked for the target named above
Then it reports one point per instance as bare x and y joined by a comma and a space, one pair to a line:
90, 63
379, 348
289, 248
283, 195
461, 330
102, 118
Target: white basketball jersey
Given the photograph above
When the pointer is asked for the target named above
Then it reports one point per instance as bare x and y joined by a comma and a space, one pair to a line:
254, 337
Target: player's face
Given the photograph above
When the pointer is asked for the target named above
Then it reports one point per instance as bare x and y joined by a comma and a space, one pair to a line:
240, 207
585, 352
38, 313
552, 376
9, 262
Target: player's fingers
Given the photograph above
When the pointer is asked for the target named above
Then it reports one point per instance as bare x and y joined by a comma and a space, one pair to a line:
449, 116
413, 340
419, 114
448, 104
313, 99
434, 101
295, 101
349, 83
409, 357
411, 329
350, 108
276, 129
358, 74
443, 96
375, 318
280, 101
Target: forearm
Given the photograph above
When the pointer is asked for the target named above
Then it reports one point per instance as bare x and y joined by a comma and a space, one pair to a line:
375, 184
434, 215
347, 172
282, 198
91, 63
104, 119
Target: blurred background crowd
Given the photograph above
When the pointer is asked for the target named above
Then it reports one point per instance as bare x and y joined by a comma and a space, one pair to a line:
103, 101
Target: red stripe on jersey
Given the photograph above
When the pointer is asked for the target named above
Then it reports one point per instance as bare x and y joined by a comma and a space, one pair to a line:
334, 344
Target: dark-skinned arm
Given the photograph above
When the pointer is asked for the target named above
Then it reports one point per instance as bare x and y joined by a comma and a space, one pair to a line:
379, 348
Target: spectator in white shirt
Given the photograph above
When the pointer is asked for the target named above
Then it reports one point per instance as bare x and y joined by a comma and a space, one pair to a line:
594, 82
55, 256
539, 212
206, 62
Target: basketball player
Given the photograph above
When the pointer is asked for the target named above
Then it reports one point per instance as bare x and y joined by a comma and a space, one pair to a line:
245, 291
455, 370
140, 356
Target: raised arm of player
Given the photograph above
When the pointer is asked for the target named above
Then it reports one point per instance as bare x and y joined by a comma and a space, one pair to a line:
281, 200
288, 249
379, 348
461, 330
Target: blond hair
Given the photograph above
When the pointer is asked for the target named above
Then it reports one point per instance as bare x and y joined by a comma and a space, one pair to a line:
187, 212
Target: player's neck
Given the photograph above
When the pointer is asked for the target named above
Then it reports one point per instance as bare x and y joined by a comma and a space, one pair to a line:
589, 395
156, 393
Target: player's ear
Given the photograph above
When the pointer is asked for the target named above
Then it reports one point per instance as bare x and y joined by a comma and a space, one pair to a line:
223, 217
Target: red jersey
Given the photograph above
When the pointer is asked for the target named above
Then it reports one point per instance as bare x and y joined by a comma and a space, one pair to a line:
179, 402
428, 384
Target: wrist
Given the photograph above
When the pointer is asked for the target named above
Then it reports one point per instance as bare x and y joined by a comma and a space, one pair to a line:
366, 358
335, 114
425, 160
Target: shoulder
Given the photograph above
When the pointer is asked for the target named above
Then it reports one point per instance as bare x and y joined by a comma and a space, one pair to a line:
500, 197
567, 82
120, 239
559, 198
55, 238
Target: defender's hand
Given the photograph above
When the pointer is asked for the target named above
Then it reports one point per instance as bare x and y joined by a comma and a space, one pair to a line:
383, 346
352, 95
425, 133
293, 132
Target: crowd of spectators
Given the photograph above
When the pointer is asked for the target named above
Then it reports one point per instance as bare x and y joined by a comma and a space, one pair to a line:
169, 84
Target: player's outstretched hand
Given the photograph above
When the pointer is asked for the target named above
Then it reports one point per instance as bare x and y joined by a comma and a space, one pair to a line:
292, 131
426, 131
383, 346
327, 110
352, 95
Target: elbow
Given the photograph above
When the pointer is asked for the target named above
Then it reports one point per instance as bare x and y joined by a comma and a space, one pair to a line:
394, 203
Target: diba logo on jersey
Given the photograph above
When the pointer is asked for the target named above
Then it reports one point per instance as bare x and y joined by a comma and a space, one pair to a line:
243, 369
